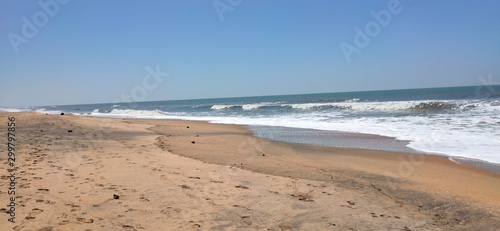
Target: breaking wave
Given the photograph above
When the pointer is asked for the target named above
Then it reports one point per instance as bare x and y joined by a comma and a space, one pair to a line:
354, 105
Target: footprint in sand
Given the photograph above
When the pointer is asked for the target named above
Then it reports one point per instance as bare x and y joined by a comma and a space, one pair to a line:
143, 198
128, 227
306, 197
74, 207
85, 220
33, 213
241, 186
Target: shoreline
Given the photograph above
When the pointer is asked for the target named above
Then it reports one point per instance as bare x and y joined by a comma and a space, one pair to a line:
471, 162
332, 138
390, 144
234, 180
481, 164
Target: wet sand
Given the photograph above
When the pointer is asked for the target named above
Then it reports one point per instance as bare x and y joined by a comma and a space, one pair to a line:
188, 175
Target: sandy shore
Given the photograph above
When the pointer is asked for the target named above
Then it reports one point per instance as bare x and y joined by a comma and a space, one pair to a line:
187, 175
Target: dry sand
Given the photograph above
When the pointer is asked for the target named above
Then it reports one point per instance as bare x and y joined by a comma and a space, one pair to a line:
186, 175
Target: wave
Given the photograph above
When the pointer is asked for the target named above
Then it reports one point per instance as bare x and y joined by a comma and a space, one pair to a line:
253, 106
317, 106
14, 109
245, 107
355, 105
398, 106
263, 106
131, 113
336, 100
226, 107
433, 106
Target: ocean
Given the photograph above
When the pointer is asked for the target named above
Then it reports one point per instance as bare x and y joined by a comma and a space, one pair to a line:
459, 122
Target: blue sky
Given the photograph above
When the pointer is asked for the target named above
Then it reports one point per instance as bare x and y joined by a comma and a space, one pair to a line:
97, 51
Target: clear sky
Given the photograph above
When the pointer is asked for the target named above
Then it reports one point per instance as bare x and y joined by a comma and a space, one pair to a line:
95, 51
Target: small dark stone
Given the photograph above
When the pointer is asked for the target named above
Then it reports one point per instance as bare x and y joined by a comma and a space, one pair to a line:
197, 135
193, 142
187, 126
70, 130
116, 197
62, 113
263, 154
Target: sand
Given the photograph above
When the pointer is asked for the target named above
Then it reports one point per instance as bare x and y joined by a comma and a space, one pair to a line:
188, 175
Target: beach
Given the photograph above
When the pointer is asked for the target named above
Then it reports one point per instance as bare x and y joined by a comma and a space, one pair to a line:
88, 173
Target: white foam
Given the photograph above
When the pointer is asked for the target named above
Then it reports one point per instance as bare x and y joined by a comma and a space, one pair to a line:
254, 106
130, 113
51, 112
390, 106
246, 107
221, 107
355, 105
13, 109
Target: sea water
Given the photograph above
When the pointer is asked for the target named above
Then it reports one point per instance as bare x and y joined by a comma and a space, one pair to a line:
457, 121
